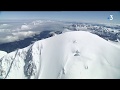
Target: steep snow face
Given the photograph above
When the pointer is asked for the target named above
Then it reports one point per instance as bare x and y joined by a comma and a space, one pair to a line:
76, 54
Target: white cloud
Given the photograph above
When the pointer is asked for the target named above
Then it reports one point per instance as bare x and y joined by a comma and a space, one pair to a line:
16, 36
4, 25
5, 30
23, 34
8, 39
37, 22
20, 30
25, 27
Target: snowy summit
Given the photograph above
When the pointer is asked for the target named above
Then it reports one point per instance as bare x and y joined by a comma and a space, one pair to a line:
76, 54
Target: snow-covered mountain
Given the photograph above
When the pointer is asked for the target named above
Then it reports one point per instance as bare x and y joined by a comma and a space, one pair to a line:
76, 54
2, 53
108, 32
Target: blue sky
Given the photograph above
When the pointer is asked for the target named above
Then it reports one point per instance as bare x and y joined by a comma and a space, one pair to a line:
86, 16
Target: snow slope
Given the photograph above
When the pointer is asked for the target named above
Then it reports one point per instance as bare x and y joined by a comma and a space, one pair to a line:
2, 53
76, 54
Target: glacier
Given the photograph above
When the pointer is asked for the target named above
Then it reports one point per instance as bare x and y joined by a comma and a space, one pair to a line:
70, 55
